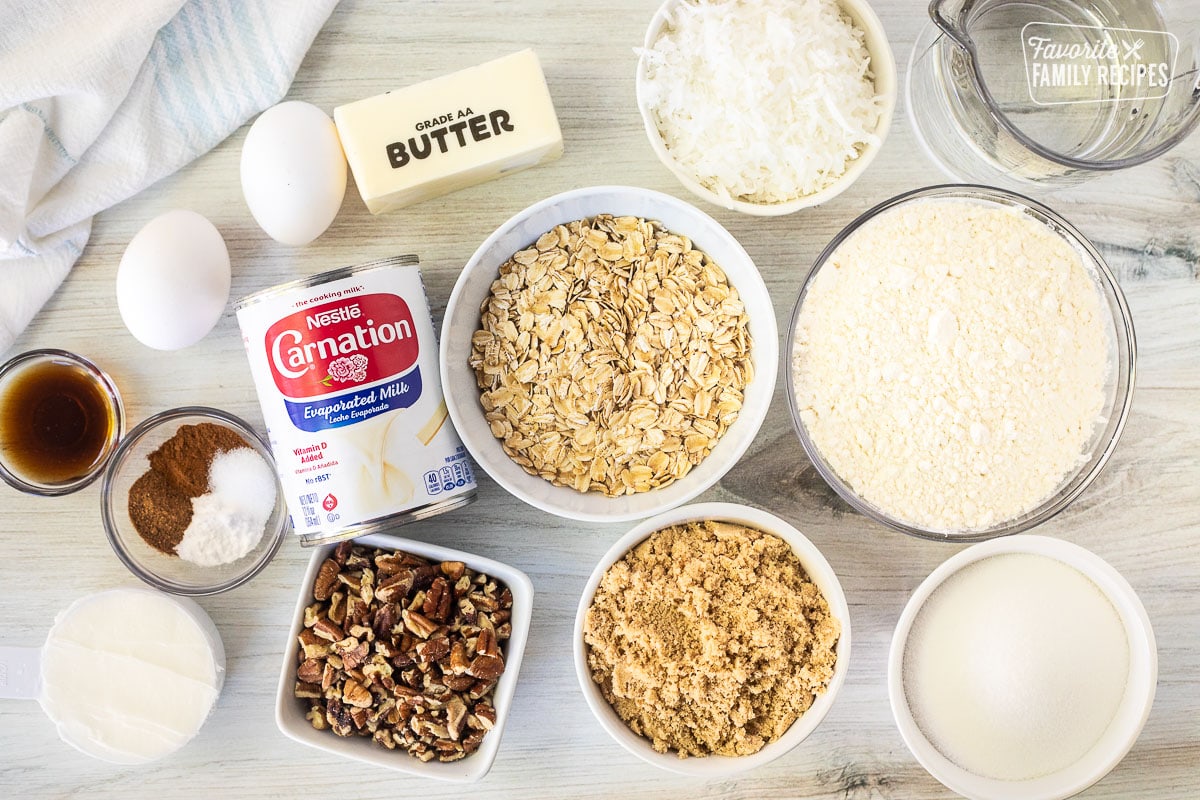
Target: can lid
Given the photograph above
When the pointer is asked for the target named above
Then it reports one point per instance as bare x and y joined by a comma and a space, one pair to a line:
407, 260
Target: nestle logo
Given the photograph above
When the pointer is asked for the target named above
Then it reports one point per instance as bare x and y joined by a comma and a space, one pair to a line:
333, 316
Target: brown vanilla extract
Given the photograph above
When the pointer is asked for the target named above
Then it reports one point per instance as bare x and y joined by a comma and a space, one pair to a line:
56, 421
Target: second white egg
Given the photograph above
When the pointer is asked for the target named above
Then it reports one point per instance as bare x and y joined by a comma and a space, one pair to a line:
293, 172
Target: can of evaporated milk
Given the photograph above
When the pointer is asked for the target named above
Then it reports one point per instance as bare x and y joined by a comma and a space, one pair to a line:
345, 365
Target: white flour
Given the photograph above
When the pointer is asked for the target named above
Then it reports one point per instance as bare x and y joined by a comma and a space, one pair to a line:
950, 363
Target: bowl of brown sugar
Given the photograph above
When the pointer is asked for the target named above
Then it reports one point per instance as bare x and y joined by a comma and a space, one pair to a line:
711, 639
191, 503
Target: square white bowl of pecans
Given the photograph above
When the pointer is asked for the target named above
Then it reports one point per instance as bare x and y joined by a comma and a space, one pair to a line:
404, 655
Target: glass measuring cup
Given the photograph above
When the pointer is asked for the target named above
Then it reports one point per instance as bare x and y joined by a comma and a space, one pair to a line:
1054, 91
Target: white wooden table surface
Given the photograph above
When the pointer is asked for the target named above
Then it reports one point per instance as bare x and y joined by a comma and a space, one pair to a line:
1142, 514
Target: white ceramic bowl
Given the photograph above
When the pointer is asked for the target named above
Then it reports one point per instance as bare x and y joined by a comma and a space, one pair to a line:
290, 711
883, 63
462, 320
818, 570
1131, 714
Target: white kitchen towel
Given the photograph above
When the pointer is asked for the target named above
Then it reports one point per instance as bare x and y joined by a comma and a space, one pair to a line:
100, 100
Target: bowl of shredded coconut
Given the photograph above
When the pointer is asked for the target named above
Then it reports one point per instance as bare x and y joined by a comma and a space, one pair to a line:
766, 106
191, 503
962, 363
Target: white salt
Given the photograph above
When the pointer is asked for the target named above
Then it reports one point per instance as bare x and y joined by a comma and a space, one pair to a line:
229, 521
1015, 666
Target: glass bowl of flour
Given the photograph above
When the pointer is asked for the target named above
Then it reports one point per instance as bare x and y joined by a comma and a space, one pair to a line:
191, 503
962, 363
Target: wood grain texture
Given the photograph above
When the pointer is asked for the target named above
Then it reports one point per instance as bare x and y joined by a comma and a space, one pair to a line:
1142, 515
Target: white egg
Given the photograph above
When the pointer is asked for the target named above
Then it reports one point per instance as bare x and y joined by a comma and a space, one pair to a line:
293, 172
173, 280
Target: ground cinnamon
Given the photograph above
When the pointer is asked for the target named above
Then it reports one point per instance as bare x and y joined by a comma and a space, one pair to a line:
160, 501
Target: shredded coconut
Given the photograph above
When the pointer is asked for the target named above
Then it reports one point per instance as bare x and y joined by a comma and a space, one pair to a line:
950, 363
229, 521
763, 100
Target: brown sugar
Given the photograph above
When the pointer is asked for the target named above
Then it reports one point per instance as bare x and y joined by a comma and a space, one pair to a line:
710, 639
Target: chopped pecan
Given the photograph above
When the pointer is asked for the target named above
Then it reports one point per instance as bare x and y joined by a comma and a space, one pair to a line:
328, 677
472, 741
328, 631
486, 668
458, 683
385, 620
307, 691
459, 662
366, 589
312, 614
357, 695
486, 645
419, 624
467, 609
483, 601
356, 610
326, 579
433, 650
456, 716
396, 586
338, 717
337, 607
486, 715
438, 600
316, 718
423, 575
352, 651
403, 651
359, 717
311, 645
310, 671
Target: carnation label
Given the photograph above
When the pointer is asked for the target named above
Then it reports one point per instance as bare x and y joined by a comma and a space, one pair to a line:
345, 366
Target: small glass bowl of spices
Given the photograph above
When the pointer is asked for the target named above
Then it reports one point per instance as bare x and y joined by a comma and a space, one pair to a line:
60, 419
191, 503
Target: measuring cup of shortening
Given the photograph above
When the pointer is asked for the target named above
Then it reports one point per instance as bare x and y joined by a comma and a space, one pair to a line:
1054, 91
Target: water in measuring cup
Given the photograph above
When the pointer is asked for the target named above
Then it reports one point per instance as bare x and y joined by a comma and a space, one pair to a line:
1050, 68
1083, 86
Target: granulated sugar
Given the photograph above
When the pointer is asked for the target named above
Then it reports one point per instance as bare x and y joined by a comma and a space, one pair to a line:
950, 363
1015, 666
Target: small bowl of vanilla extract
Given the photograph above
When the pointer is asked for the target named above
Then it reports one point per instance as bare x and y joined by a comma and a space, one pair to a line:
60, 419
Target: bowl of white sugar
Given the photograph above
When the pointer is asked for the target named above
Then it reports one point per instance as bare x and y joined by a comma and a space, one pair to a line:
191, 503
961, 362
1022, 668
766, 106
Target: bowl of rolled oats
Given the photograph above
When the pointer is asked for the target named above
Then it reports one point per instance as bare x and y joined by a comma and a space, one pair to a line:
404, 655
609, 353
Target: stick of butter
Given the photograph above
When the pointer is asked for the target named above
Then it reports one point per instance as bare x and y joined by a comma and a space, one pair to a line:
450, 133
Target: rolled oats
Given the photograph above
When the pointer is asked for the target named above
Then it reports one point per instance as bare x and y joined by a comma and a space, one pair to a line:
611, 355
